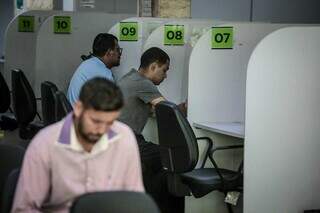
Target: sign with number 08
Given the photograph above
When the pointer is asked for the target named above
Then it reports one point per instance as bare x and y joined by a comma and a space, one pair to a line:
222, 38
173, 35
62, 24
128, 31
26, 24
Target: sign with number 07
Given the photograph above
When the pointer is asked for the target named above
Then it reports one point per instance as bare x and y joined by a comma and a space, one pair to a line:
222, 38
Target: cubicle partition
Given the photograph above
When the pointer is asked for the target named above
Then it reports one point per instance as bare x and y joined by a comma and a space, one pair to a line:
62, 39
217, 88
177, 38
282, 172
20, 43
132, 34
217, 74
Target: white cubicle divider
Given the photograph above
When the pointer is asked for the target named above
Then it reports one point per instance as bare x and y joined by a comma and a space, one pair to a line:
216, 92
217, 77
20, 47
175, 86
282, 172
141, 28
58, 54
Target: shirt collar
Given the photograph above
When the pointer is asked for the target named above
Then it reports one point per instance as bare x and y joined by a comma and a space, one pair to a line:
69, 139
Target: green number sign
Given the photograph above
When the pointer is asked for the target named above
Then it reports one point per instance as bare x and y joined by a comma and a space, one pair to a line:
26, 24
173, 35
62, 24
128, 31
222, 38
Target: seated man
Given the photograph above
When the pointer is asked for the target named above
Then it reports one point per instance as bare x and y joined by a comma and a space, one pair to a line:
106, 54
141, 95
87, 151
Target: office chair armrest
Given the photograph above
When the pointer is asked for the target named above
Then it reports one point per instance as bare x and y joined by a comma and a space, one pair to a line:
211, 152
225, 148
210, 145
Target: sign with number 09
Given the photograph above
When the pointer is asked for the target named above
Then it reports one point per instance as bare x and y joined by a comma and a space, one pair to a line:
128, 31
173, 35
62, 24
222, 38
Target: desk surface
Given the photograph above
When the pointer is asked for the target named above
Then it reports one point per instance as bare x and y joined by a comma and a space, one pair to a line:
235, 129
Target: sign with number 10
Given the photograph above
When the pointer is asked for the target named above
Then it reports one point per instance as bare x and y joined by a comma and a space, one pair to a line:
62, 24
222, 38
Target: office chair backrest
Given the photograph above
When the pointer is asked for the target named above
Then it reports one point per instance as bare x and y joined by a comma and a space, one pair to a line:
178, 144
62, 105
11, 157
23, 98
9, 191
4, 95
114, 201
48, 90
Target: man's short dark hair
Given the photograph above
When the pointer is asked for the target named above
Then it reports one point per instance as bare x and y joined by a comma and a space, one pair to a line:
154, 54
101, 94
102, 43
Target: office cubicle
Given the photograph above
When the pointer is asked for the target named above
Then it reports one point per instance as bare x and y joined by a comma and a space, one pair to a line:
20, 43
132, 34
177, 38
217, 85
283, 122
58, 50
178, 47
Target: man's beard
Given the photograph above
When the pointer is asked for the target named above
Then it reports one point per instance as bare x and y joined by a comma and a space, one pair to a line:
88, 137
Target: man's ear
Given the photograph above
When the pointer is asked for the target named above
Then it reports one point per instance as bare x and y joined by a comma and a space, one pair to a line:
153, 66
77, 108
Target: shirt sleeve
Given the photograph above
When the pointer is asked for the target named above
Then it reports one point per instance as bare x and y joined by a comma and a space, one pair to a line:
134, 181
33, 184
148, 91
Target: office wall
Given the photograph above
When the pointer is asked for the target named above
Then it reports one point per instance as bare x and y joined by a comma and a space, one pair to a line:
110, 6
289, 11
6, 14
284, 11
231, 10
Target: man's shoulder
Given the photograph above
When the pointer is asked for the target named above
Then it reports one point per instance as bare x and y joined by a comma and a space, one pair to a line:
133, 78
47, 135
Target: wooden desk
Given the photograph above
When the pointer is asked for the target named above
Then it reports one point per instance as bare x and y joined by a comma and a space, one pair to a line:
235, 129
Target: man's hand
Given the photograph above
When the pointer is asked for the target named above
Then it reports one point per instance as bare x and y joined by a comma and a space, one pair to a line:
183, 107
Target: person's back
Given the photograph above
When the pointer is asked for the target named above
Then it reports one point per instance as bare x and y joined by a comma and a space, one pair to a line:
141, 95
138, 91
95, 67
106, 54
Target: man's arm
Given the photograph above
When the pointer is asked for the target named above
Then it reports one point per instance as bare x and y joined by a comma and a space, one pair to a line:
34, 182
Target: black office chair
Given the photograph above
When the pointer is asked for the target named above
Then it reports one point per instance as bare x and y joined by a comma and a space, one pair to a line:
9, 191
62, 105
24, 105
179, 156
114, 201
11, 157
8, 121
48, 91
86, 57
